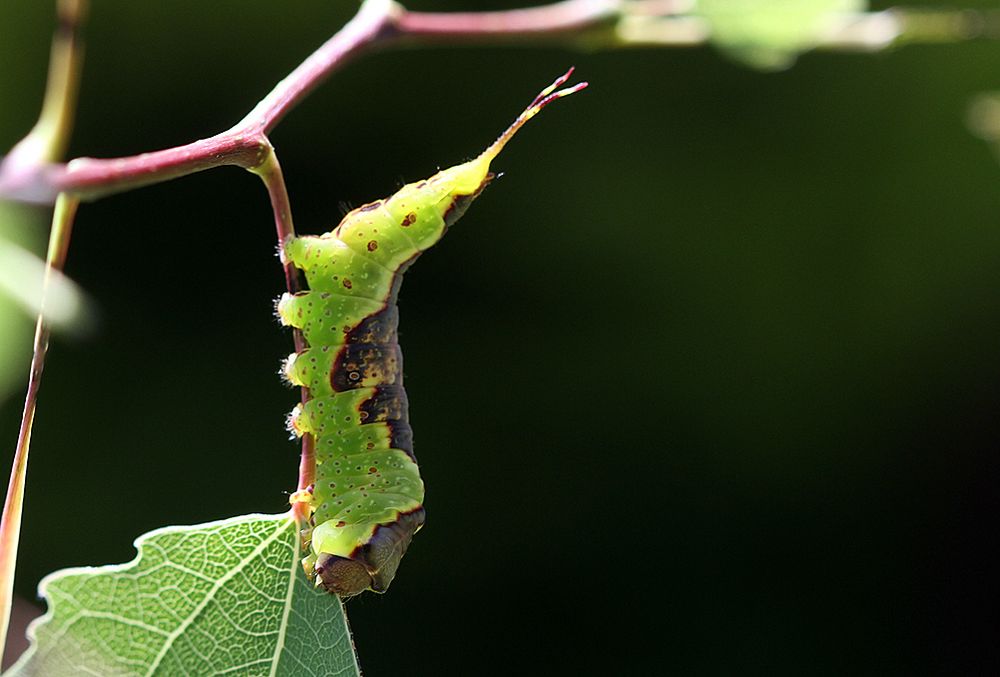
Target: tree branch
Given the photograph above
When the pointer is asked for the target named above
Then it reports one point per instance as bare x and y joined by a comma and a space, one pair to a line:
377, 23
372, 24
244, 145
580, 23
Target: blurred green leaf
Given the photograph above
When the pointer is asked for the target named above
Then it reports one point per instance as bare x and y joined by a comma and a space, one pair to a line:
983, 116
16, 228
770, 34
22, 273
15, 345
227, 596
21, 277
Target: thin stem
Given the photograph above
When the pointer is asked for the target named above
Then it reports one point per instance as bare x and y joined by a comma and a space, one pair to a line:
269, 170
378, 22
580, 23
371, 24
562, 18
244, 145
45, 143
307, 477
10, 525
91, 178
270, 173
48, 139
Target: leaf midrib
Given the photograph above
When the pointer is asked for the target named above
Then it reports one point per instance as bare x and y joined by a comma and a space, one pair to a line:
210, 595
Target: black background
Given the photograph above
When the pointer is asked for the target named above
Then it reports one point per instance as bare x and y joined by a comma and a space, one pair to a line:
707, 383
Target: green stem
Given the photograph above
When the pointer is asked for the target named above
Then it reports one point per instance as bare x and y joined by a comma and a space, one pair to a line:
10, 525
46, 142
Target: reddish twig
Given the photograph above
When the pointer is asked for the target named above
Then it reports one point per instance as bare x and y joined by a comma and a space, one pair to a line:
383, 22
568, 17
244, 145
378, 23
270, 173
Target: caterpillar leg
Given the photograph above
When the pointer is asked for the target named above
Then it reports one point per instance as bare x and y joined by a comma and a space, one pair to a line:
300, 496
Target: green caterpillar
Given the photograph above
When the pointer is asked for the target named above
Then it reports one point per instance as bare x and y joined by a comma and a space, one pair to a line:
367, 497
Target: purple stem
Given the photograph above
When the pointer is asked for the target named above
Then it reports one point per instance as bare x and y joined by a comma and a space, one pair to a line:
378, 22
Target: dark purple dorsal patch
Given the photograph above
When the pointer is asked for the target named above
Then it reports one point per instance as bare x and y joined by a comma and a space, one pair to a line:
373, 565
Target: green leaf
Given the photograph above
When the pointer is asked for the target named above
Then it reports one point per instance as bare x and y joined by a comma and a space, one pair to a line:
224, 597
769, 34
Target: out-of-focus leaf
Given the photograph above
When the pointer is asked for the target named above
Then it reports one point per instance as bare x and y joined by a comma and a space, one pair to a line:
227, 597
770, 34
984, 116
22, 273
17, 224
15, 345
21, 276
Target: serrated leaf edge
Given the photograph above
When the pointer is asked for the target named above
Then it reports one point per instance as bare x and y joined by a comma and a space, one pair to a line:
138, 544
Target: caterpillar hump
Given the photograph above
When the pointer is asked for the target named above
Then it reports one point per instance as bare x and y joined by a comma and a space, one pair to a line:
367, 500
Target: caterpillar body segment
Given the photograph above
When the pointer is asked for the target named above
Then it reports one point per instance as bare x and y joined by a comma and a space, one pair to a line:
367, 499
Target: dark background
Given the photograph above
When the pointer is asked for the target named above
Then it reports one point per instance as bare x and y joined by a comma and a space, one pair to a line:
707, 383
